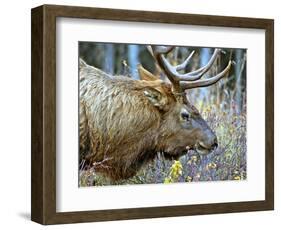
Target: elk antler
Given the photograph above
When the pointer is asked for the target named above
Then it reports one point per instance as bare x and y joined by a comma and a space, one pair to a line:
190, 80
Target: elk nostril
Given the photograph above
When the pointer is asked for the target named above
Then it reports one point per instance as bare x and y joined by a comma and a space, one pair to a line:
215, 145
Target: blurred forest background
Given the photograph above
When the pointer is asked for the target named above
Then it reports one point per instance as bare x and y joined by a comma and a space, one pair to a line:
222, 105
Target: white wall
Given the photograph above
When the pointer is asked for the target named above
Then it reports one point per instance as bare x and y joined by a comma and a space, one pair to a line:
15, 112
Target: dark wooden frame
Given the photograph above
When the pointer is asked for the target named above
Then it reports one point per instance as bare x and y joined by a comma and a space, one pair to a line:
43, 186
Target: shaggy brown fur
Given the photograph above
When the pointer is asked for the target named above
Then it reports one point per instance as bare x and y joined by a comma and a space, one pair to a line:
125, 122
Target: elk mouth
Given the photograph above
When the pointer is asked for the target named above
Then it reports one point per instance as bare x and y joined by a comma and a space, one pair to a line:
202, 149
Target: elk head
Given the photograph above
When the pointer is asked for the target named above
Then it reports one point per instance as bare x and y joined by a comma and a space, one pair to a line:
182, 126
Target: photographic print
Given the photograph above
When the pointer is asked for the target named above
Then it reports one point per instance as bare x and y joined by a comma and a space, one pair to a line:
151, 105
153, 114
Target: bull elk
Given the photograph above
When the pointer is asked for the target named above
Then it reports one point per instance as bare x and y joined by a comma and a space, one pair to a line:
125, 122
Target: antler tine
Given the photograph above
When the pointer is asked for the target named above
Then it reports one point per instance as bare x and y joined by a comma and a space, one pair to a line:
206, 82
162, 49
197, 74
158, 53
181, 82
172, 71
194, 75
186, 61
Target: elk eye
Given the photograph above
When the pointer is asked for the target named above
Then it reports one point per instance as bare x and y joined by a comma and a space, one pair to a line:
185, 116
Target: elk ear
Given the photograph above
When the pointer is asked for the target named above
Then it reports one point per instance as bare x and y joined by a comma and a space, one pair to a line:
145, 74
155, 97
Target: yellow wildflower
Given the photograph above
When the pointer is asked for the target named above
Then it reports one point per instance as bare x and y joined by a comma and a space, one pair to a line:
175, 172
167, 180
194, 158
237, 178
212, 165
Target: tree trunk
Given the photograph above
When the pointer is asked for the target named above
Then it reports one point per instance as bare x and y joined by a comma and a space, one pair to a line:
133, 55
238, 87
205, 56
109, 59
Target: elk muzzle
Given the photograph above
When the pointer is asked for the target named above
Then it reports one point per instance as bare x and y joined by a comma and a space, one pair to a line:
207, 144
